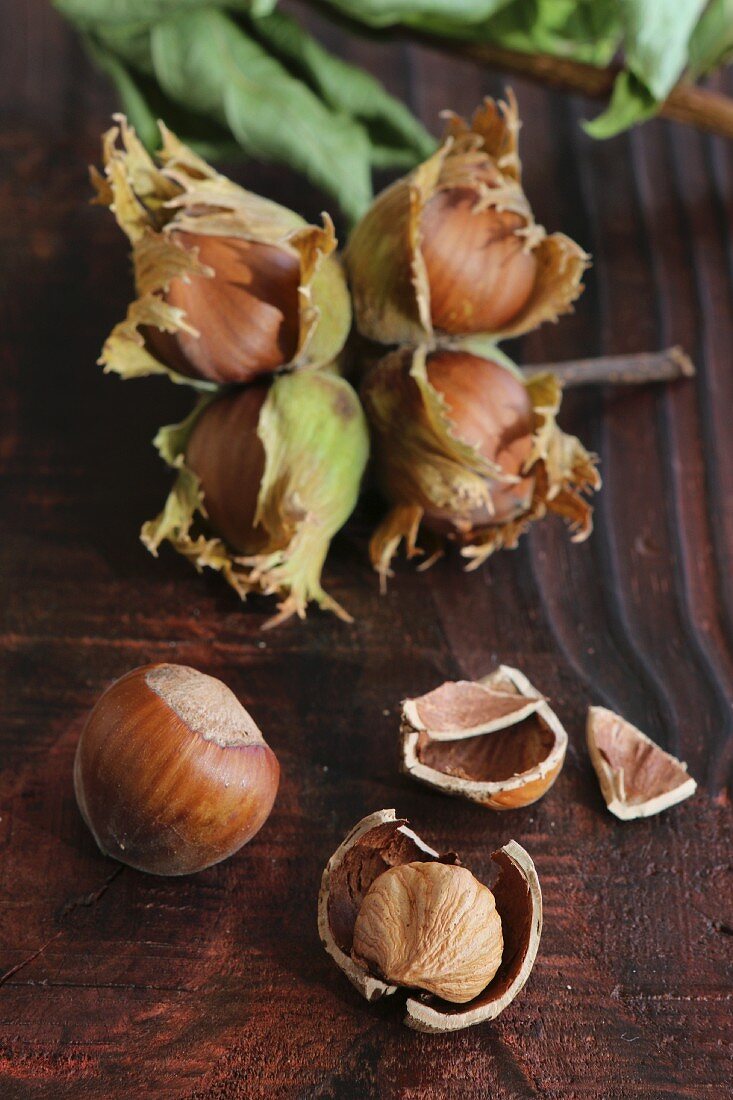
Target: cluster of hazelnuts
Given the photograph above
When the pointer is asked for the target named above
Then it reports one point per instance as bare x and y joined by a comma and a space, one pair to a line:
243, 300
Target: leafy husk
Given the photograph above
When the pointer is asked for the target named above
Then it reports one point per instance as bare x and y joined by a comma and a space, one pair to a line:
316, 443
387, 272
383, 840
421, 464
154, 202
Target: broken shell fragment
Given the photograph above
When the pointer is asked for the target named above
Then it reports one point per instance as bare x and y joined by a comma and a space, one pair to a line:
381, 842
495, 741
637, 777
462, 708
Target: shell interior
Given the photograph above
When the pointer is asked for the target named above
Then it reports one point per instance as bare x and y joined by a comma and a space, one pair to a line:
497, 741
506, 753
637, 777
460, 708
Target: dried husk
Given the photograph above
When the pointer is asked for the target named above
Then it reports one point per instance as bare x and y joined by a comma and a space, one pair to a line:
382, 840
385, 264
421, 464
637, 777
316, 443
495, 741
156, 205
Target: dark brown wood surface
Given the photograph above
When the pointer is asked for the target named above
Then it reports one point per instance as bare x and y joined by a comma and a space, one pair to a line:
115, 984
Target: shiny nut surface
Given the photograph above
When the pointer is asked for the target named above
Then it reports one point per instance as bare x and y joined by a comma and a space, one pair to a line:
171, 772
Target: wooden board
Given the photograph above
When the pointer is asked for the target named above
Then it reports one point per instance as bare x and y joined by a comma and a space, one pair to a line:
117, 984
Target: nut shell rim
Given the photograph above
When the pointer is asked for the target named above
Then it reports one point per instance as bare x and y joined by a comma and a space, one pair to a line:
426, 1012
491, 792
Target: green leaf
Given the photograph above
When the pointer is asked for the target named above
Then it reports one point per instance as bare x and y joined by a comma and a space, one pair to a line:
96, 13
712, 40
589, 30
631, 102
384, 13
144, 103
129, 42
657, 33
134, 103
398, 137
205, 61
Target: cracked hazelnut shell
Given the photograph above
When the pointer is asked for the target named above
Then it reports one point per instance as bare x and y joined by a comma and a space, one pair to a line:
637, 777
171, 773
495, 741
382, 841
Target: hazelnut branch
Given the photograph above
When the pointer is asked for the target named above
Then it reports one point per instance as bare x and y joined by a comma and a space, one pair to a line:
620, 370
687, 102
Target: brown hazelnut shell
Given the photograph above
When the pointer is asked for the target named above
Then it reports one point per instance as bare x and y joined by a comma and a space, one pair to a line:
637, 777
171, 773
382, 840
490, 752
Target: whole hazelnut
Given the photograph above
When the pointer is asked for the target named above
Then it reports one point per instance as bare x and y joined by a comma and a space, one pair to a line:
430, 926
171, 773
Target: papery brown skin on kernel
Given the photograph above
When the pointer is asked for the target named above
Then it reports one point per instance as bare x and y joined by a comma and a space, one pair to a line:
432, 927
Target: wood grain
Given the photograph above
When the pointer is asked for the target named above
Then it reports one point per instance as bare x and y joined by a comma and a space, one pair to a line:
114, 984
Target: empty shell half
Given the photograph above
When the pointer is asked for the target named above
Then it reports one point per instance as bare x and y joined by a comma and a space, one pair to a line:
637, 778
382, 841
495, 741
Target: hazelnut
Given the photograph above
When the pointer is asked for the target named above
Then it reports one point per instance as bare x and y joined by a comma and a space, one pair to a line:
430, 926
231, 286
171, 773
453, 247
393, 912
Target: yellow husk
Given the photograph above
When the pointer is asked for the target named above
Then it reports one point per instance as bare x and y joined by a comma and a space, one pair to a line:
183, 193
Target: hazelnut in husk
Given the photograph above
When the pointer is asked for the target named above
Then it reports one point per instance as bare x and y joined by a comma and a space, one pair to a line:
171, 772
453, 248
267, 474
466, 447
393, 913
231, 285
494, 741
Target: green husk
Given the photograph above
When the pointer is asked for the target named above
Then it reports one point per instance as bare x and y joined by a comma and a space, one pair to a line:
316, 446
183, 193
421, 464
